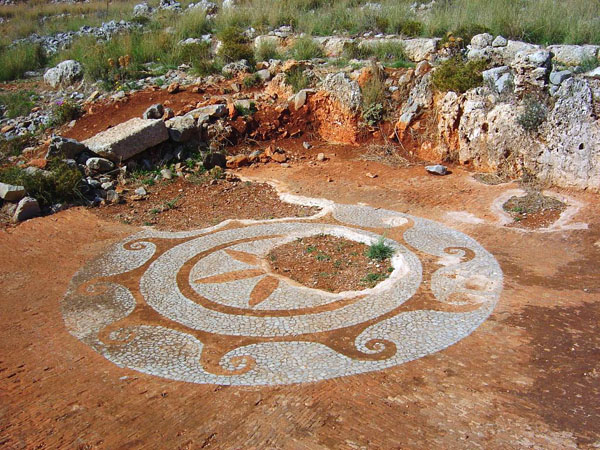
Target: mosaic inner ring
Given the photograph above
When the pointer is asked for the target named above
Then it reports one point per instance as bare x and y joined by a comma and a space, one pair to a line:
161, 291
201, 307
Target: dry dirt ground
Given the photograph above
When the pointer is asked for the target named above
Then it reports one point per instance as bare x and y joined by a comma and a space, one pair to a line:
528, 377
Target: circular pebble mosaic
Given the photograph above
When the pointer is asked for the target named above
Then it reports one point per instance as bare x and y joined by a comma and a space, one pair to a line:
204, 307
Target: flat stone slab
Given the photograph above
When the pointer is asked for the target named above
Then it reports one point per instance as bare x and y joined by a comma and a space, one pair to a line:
213, 312
129, 138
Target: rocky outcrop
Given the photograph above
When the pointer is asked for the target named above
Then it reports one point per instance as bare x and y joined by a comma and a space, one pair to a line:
477, 130
343, 90
128, 139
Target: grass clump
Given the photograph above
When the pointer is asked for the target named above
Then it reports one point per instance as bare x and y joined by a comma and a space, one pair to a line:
457, 75
234, 46
533, 115
59, 184
379, 250
15, 61
17, 103
297, 79
390, 53
267, 50
252, 80
305, 48
64, 111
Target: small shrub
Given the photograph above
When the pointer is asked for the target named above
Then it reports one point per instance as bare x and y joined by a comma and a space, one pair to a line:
306, 48
533, 114
15, 61
380, 250
59, 185
373, 114
17, 103
266, 51
411, 28
457, 75
234, 46
297, 79
64, 111
252, 80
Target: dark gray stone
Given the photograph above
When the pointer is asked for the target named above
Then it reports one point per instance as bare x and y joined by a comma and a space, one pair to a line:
215, 159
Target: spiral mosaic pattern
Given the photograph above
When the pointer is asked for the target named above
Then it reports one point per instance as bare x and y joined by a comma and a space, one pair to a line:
204, 307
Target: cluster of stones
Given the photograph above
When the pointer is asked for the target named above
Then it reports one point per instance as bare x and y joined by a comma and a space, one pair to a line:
52, 44
207, 301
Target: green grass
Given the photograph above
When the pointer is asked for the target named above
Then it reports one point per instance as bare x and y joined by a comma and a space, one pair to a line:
234, 46
14, 146
266, 51
379, 250
59, 185
18, 103
15, 61
305, 48
297, 79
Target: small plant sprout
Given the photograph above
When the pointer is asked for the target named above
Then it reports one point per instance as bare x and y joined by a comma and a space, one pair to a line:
379, 250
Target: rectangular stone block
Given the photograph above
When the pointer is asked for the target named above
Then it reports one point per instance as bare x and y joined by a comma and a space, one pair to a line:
128, 139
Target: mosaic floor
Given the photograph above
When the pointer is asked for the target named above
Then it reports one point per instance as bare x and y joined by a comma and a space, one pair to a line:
203, 306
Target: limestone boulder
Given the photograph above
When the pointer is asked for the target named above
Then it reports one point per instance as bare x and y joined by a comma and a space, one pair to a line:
64, 74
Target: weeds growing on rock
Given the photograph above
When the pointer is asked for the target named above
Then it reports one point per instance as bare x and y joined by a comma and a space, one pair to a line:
458, 75
533, 115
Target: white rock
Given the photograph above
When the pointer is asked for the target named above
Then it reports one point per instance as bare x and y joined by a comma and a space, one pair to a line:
64, 74
483, 40
217, 111
574, 55
27, 208
182, 128
300, 99
557, 78
344, 90
128, 139
11, 193
499, 42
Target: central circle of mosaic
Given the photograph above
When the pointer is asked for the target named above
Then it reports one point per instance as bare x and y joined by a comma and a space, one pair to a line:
204, 306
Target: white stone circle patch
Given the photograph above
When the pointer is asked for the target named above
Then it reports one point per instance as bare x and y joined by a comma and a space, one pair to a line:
203, 307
